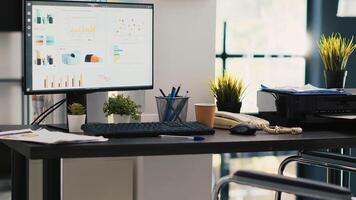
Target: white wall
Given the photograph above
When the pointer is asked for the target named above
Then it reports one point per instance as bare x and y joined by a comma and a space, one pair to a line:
10, 54
95, 104
10, 67
184, 50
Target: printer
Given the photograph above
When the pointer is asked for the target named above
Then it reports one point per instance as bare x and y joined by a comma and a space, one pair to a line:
301, 110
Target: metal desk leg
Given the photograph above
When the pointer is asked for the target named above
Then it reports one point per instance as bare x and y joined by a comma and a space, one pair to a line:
19, 176
52, 179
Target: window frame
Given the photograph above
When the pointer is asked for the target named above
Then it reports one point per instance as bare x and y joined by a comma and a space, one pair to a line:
224, 55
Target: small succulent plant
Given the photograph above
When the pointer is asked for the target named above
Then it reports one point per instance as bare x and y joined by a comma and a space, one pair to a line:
76, 109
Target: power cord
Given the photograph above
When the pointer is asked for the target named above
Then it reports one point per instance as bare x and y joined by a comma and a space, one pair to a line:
282, 130
48, 111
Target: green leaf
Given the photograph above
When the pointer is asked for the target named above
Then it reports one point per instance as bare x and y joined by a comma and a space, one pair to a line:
335, 50
121, 105
227, 89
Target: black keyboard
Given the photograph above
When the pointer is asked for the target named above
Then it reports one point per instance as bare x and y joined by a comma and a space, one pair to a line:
147, 129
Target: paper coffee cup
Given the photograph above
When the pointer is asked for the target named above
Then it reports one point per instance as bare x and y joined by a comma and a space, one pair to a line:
204, 113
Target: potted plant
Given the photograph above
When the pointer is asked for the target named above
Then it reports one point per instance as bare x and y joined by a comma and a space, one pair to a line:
122, 108
228, 92
76, 117
335, 51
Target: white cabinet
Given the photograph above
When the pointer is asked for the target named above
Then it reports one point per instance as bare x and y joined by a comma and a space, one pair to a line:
35, 180
98, 178
174, 177
89, 179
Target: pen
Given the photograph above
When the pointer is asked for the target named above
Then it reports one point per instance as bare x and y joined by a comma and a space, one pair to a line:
170, 102
173, 92
186, 93
195, 138
177, 91
163, 94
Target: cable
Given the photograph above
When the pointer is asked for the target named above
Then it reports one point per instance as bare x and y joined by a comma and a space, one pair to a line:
47, 112
283, 130
44, 112
44, 117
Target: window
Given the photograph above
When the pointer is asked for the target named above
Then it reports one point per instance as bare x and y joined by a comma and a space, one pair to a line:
262, 42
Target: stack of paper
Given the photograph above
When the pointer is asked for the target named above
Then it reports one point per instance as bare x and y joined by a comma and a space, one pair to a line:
305, 90
340, 116
48, 137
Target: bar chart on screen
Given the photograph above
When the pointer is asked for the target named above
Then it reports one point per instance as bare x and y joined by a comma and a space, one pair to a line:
66, 81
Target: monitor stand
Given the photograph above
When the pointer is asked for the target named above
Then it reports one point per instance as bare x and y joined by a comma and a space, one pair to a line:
77, 97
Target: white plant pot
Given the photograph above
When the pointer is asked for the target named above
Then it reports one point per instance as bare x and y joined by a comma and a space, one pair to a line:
121, 118
75, 122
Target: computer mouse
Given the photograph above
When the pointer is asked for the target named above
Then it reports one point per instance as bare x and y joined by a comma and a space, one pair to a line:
243, 129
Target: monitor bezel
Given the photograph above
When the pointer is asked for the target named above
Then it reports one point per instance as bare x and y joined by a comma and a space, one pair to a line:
82, 90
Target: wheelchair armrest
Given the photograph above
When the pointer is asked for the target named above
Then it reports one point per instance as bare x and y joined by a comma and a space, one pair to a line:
332, 158
297, 186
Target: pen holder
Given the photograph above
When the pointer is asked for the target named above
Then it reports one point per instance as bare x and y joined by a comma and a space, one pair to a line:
172, 108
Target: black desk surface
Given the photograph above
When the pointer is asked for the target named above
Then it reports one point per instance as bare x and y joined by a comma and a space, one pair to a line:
221, 142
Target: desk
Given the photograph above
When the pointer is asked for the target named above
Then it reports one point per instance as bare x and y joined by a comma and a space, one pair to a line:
221, 142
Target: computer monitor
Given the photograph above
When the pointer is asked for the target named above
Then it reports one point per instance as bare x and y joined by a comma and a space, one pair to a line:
87, 46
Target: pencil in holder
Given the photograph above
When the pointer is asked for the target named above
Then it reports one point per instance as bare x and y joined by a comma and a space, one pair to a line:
172, 108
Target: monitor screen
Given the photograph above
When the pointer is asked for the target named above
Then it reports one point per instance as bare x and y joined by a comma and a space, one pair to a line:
73, 46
